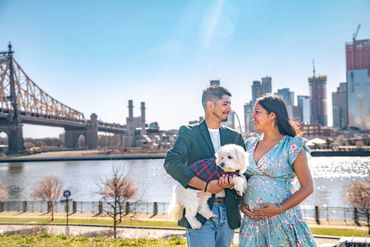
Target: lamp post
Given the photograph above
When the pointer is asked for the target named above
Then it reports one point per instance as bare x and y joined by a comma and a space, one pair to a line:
66, 195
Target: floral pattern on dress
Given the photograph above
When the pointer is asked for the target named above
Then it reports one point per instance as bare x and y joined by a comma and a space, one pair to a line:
270, 181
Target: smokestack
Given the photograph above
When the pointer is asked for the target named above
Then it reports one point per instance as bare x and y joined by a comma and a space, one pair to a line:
142, 119
130, 109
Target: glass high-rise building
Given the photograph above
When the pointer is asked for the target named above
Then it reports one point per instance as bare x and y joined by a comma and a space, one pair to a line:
248, 122
358, 83
318, 104
304, 104
340, 119
256, 91
286, 95
266, 84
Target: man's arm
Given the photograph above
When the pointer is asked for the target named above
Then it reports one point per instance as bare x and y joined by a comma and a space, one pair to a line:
176, 164
176, 159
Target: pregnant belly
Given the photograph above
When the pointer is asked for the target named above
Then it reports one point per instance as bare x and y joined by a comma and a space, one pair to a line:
263, 189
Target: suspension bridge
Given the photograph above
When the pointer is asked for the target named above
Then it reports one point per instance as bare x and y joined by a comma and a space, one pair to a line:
23, 102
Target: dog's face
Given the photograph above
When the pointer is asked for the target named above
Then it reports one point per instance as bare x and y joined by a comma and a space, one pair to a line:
232, 158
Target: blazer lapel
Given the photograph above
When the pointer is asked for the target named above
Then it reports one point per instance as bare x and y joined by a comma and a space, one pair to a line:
205, 133
223, 135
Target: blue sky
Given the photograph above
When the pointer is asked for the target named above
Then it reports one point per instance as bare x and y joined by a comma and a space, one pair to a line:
96, 55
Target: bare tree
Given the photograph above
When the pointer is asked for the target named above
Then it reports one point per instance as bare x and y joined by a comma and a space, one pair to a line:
358, 194
48, 189
115, 191
3, 192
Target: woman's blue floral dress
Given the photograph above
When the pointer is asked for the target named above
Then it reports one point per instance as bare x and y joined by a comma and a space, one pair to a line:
270, 181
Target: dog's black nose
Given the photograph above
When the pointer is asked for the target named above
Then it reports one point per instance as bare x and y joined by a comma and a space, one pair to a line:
222, 164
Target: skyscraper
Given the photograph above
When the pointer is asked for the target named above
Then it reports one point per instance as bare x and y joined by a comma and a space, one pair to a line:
230, 120
340, 119
256, 91
358, 83
318, 104
304, 104
248, 122
266, 84
286, 95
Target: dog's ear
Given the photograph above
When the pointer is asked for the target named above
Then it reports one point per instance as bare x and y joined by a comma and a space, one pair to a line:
218, 156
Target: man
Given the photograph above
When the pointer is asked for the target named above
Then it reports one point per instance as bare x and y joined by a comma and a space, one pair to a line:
200, 141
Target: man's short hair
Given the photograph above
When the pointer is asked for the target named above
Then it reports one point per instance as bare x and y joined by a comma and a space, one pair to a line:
214, 93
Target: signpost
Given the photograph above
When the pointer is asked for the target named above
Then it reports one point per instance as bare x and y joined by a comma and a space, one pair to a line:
66, 195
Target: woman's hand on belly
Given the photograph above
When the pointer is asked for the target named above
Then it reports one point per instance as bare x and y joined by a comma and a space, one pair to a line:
267, 210
248, 213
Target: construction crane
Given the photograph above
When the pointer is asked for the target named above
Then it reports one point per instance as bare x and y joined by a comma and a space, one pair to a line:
355, 34
314, 70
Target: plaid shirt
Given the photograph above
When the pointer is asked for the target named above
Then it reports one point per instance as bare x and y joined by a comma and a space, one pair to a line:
207, 169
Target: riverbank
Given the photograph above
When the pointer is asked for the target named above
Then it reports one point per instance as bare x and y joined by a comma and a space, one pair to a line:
332, 153
107, 155
80, 155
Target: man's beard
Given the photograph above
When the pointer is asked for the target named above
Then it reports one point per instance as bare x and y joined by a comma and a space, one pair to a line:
220, 117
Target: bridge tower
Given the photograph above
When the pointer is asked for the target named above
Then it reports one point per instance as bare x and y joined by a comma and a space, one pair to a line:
92, 132
71, 136
13, 125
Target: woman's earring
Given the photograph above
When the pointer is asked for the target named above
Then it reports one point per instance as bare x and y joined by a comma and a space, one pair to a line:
273, 124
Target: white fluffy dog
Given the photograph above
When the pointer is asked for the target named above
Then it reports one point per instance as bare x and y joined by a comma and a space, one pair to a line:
231, 159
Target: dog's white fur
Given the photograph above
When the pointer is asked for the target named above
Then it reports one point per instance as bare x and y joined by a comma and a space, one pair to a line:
230, 158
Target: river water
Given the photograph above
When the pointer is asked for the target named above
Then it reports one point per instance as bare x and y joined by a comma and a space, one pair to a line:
331, 176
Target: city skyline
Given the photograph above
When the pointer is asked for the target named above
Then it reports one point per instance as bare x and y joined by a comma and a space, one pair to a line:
95, 57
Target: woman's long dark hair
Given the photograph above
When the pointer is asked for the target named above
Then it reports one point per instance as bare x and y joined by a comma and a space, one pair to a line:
273, 103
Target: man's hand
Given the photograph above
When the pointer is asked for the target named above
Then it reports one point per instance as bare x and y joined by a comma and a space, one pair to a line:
226, 181
213, 187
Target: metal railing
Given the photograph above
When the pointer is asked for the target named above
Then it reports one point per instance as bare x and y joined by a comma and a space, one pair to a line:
97, 207
319, 214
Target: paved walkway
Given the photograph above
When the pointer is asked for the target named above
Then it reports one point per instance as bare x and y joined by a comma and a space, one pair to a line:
158, 217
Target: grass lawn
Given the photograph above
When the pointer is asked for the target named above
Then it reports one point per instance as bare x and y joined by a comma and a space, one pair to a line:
88, 222
61, 240
339, 232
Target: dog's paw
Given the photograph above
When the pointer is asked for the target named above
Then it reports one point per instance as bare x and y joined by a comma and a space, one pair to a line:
239, 194
195, 225
239, 190
212, 217
209, 215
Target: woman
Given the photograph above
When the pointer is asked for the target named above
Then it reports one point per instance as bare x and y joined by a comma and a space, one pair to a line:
272, 217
